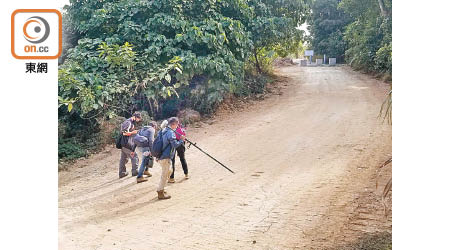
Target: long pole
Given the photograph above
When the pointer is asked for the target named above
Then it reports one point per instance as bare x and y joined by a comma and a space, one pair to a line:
195, 145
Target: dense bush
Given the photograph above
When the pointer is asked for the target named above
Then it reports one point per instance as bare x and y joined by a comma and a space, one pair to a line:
163, 55
360, 29
383, 59
327, 28
70, 149
369, 36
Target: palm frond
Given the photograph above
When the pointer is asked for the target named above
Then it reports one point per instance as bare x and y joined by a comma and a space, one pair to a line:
386, 109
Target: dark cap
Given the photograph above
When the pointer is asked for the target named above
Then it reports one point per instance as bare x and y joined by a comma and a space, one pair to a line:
173, 120
137, 114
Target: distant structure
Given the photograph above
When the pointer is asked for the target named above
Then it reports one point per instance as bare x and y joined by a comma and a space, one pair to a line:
309, 54
332, 61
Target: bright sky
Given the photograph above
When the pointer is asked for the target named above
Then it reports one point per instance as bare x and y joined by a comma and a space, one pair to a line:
64, 2
304, 27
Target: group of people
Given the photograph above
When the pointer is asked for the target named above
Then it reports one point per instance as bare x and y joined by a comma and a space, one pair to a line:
136, 145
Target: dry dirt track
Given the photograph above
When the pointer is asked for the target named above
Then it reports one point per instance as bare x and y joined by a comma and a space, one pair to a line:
305, 165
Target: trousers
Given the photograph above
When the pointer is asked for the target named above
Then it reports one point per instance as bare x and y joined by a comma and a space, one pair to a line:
124, 156
165, 173
180, 152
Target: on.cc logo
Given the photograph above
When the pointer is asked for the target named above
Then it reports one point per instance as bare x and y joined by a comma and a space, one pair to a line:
36, 34
36, 29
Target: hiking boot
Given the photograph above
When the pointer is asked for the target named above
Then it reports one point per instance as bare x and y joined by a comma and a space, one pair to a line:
186, 176
134, 174
163, 195
141, 179
147, 173
121, 175
171, 180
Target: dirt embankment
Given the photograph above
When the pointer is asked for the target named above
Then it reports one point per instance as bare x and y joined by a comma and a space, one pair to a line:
306, 165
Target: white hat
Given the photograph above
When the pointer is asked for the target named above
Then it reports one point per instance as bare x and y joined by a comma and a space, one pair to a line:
164, 124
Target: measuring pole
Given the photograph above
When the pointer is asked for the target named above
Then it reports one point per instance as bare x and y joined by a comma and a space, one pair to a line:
201, 150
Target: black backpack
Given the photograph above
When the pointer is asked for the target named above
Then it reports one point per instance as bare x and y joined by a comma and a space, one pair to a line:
123, 141
157, 148
119, 141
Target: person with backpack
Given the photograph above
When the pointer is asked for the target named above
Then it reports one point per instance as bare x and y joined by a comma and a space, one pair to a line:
144, 141
180, 131
164, 150
127, 145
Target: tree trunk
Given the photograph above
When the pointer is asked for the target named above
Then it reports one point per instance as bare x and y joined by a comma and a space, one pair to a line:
258, 68
384, 12
150, 106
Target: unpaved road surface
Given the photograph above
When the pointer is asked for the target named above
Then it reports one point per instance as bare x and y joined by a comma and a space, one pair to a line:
305, 164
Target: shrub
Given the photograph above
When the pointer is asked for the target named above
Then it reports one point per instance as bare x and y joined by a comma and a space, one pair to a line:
70, 149
164, 55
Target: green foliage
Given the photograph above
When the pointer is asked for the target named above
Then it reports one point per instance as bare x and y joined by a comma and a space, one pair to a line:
105, 81
161, 55
130, 47
193, 35
73, 147
357, 29
327, 28
273, 27
369, 36
69, 149
265, 58
383, 59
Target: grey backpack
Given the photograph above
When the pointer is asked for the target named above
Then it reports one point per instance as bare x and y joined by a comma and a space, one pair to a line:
140, 139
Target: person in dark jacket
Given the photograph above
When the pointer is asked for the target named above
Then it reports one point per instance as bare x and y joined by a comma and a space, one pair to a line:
143, 152
128, 147
170, 144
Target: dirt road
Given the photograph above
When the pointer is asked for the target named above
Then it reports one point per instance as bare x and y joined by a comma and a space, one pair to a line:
305, 164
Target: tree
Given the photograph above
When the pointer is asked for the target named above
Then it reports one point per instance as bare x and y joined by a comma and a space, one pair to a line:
369, 36
274, 25
327, 28
127, 55
206, 42
383, 10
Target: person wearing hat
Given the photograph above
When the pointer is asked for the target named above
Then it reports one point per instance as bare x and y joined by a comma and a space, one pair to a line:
128, 146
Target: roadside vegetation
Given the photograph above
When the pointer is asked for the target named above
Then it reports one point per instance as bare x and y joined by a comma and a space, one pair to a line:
164, 56
358, 32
